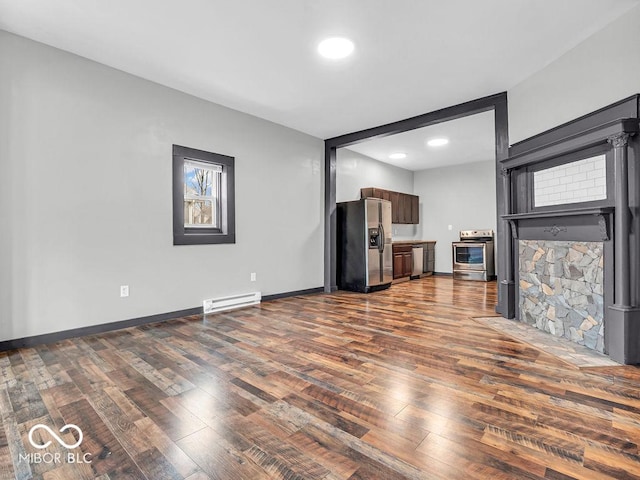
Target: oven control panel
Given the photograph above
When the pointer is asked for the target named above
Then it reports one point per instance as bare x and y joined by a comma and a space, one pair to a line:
475, 234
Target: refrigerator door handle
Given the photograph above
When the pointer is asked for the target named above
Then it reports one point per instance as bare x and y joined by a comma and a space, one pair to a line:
380, 237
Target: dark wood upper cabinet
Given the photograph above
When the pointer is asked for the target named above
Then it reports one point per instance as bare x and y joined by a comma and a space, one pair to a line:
402, 209
415, 209
384, 194
405, 208
366, 192
394, 197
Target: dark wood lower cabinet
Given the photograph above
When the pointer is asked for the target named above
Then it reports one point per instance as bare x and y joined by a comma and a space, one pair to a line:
398, 267
403, 258
402, 261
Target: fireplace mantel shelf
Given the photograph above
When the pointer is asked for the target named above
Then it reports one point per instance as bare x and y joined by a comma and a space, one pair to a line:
570, 212
578, 224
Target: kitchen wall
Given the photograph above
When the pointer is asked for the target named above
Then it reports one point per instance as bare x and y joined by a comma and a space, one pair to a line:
355, 171
85, 196
601, 70
463, 196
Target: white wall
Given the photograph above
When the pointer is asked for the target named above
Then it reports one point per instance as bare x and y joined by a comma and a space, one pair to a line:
601, 70
355, 171
85, 196
462, 196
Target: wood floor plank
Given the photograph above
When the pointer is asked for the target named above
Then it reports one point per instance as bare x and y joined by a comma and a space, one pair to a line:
26, 401
156, 466
618, 464
99, 439
156, 438
7, 377
68, 471
6, 469
324, 450
15, 447
37, 369
176, 426
219, 460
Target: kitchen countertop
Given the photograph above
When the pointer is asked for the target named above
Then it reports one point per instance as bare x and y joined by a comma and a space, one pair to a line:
411, 242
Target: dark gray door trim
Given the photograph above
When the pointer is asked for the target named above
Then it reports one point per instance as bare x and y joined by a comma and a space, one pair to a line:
497, 103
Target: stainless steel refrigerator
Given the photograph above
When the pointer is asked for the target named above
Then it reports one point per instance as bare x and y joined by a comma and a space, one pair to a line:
365, 257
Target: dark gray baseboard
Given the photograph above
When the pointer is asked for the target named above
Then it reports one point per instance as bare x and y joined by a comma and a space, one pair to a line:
308, 291
93, 329
442, 274
35, 340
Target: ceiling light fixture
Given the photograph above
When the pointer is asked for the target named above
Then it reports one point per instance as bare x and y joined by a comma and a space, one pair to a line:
437, 142
335, 48
398, 156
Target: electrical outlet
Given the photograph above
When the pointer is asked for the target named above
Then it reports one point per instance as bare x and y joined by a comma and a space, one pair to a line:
253, 276
124, 290
450, 227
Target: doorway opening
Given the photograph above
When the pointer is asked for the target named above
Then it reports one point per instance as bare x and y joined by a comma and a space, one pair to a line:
363, 139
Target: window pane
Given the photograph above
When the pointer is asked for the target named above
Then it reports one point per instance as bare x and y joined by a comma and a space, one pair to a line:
581, 181
199, 213
198, 180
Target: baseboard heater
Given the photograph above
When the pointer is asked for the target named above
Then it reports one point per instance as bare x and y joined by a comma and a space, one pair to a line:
213, 305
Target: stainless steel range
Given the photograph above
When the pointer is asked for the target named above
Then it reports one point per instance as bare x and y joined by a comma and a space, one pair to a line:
473, 256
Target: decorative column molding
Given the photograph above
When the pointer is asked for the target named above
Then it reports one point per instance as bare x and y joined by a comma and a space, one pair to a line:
622, 219
507, 283
619, 140
623, 321
508, 238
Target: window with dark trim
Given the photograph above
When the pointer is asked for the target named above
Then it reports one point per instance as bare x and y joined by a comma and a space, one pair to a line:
203, 197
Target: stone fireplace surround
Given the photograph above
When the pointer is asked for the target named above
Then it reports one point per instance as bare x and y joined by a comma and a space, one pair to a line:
562, 289
597, 302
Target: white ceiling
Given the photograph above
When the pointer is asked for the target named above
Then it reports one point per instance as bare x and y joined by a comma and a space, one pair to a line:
258, 56
471, 139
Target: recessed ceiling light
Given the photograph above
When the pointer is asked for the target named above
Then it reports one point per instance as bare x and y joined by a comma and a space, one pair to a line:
437, 142
335, 48
398, 156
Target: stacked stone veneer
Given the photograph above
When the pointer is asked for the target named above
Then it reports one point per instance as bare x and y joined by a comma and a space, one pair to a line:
561, 289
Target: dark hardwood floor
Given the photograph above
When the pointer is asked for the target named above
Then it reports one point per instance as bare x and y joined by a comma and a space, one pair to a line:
391, 385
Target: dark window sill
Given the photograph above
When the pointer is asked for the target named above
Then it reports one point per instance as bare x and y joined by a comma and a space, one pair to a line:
203, 239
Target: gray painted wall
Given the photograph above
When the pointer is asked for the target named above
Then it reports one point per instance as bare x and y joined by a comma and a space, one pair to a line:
462, 196
601, 70
85, 196
355, 171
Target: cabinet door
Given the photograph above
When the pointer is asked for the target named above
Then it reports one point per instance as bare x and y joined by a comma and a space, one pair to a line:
402, 208
407, 263
398, 265
415, 209
395, 210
